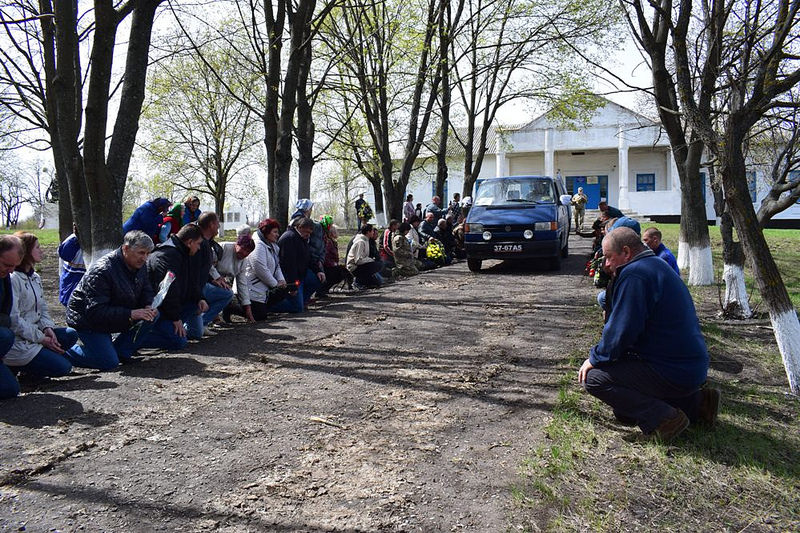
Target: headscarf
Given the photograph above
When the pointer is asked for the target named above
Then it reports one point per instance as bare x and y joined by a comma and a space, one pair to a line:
175, 212
326, 221
302, 206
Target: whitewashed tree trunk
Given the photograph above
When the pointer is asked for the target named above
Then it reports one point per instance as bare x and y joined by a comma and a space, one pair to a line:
94, 255
787, 335
701, 266
683, 255
736, 303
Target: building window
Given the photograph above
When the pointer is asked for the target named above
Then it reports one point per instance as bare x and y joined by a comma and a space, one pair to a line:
645, 182
751, 185
603, 181
703, 184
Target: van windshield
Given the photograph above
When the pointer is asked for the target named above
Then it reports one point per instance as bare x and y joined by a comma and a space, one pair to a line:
515, 191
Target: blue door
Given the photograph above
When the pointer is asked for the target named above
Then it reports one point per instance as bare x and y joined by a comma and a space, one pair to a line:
591, 188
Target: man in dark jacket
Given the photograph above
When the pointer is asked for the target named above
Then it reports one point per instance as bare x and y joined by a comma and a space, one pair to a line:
183, 304
652, 359
11, 253
112, 297
298, 268
215, 289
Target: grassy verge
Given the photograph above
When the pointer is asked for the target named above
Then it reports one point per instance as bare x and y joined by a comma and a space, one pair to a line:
785, 246
590, 475
47, 237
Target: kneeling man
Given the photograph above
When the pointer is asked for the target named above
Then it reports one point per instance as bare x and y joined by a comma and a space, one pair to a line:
113, 296
652, 359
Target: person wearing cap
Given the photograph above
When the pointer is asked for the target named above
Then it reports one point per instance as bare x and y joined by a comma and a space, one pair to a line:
148, 217
455, 206
334, 271
651, 360
579, 201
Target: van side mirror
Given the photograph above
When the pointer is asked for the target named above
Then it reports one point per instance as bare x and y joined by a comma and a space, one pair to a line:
566, 199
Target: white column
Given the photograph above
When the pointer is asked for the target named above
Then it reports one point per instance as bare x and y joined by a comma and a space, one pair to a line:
549, 153
624, 203
501, 163
674, 180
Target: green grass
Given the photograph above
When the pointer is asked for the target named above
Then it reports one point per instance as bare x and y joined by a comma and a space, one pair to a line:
47, 237
589, 474
784, 244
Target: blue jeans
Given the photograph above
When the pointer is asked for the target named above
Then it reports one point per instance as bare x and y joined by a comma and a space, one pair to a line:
162, 334
8, 383
216, 298
296, 303
49, 364
100, 352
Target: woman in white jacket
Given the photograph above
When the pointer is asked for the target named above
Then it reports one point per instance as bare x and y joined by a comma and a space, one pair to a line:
262, 268
39, 345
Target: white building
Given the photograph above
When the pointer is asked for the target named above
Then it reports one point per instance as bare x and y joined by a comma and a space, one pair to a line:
621, 157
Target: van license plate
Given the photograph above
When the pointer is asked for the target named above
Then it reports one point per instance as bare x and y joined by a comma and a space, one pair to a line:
508, 248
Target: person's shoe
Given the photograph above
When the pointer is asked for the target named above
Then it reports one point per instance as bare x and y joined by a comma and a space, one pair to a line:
709, 406
208, 332
226, 315
625, 420
671, 427
359, 287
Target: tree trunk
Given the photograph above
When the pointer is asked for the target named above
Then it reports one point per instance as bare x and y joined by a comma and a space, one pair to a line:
305, 125
377, 191
768, 278
735, 303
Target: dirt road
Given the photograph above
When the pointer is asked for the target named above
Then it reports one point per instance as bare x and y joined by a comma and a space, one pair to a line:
406, 408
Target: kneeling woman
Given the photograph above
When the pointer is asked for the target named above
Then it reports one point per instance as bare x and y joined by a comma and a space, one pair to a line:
266, 284
39, 346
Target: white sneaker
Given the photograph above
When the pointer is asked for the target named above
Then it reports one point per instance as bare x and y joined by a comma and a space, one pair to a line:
208, 332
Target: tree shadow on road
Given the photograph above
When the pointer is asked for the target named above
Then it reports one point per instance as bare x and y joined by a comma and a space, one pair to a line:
39, 410
158, 511
169, 368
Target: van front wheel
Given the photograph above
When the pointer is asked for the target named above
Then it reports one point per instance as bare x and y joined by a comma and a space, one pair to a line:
474, 265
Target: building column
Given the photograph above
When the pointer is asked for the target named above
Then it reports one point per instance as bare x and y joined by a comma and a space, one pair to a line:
674, 180
501, 163
624, 202
549, 153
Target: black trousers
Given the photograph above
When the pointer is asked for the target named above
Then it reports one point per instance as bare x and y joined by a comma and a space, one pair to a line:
333, 276
365, 274
635, 391
260, 310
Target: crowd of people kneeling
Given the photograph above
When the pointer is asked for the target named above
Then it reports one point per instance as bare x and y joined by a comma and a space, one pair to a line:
170, 281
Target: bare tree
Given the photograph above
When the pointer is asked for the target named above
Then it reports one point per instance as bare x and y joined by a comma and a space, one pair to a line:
753, 49
200, 135
391, 64
653, 37
776, 151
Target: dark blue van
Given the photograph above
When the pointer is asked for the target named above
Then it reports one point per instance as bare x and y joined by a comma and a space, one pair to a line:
518, 217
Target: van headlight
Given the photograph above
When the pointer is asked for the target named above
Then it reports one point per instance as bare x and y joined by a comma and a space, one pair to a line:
546, 226
528, 234
473, 228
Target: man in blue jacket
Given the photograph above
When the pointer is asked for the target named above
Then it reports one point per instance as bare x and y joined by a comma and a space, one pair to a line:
652, 359
652, 238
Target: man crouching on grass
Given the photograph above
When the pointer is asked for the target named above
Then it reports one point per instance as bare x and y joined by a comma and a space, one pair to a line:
652, 359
